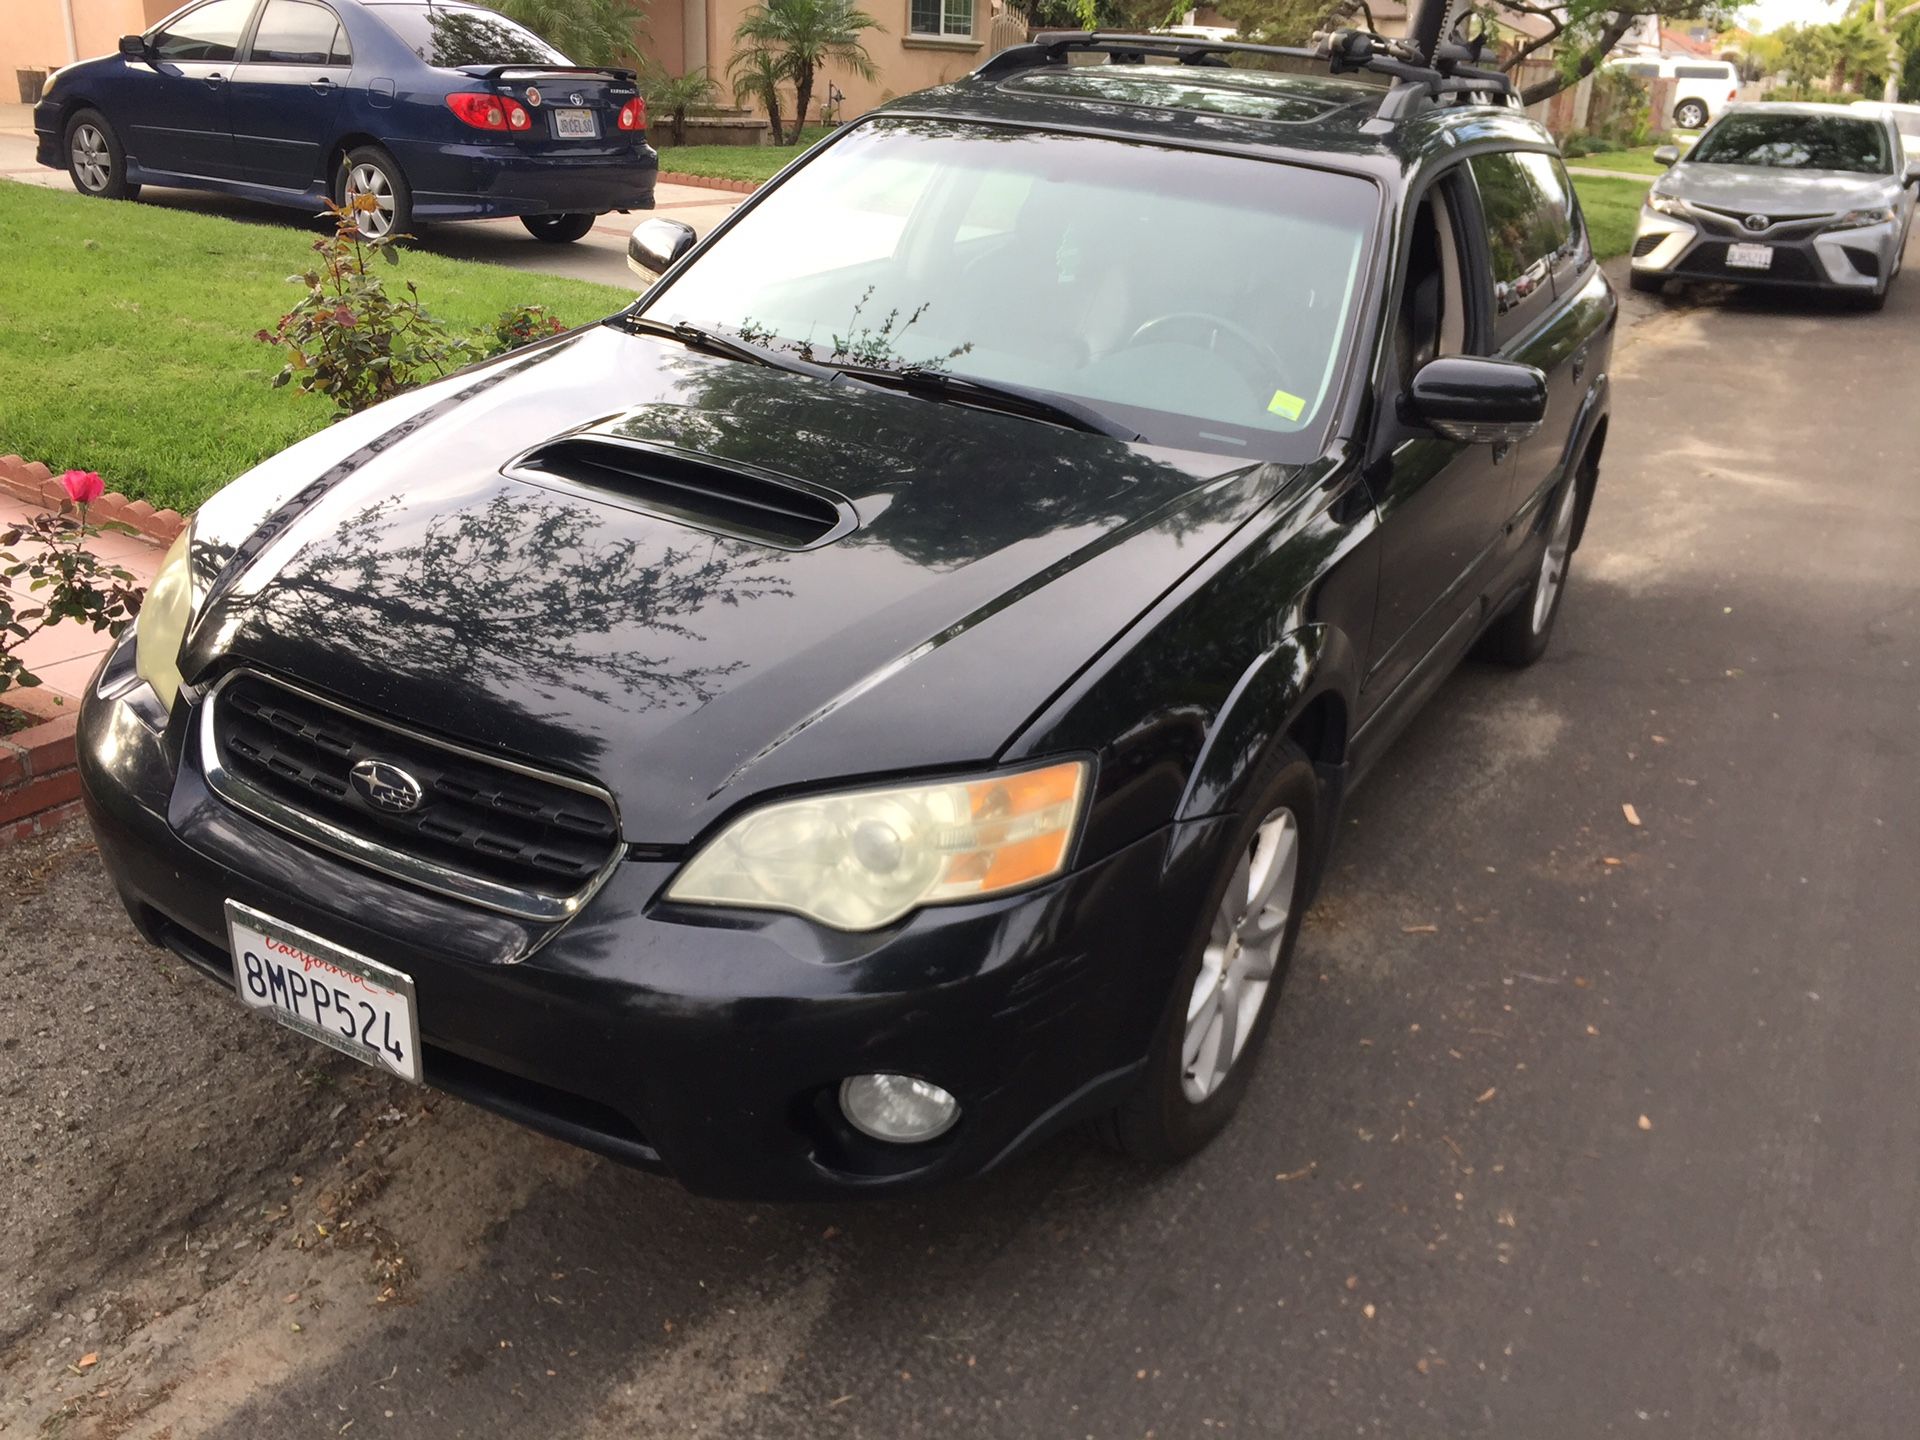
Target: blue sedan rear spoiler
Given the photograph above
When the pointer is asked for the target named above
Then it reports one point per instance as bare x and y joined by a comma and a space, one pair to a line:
497, 73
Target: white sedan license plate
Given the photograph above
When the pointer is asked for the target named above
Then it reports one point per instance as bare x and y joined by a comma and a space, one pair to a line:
574, 125
1750, 257
358, 1006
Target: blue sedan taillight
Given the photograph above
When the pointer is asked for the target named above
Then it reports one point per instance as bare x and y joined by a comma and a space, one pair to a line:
490, 112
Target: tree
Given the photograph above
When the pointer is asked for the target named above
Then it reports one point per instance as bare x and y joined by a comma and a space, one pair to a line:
1888, 27
803, 37
1580, 35
757, 76
588, 32
674, 95
1288, 22
1806, 54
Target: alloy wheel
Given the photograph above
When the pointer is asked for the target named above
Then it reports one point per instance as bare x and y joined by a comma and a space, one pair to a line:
371, 180
1242, 953
1553, 563
92, 162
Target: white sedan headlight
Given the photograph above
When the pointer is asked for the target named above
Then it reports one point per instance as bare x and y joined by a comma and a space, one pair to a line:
1860, 219
164, 617
861, 859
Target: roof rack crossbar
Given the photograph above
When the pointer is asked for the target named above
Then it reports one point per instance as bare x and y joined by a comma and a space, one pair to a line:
1343, 52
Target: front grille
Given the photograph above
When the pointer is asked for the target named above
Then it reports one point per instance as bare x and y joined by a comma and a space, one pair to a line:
1647, 244
1710, 259
1779, 227
494, 832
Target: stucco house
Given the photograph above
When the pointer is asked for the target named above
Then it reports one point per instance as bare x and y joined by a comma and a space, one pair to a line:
37, 36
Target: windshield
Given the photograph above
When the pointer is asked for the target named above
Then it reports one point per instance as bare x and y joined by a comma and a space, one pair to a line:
1797, 142
453, 35
1202, 301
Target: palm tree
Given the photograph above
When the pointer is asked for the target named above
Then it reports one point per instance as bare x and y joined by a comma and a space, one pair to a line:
803, 36
587, 32
757, 74
674, 95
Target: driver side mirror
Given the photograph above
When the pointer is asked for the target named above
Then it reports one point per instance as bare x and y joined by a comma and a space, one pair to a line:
134, 47
1913, 172
1478, 401
1666, 154
656, 244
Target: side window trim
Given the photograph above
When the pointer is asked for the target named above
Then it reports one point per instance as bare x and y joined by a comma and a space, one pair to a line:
241, 41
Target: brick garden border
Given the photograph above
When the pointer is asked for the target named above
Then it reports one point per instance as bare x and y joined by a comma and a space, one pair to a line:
708, 182
34, 482
39, 774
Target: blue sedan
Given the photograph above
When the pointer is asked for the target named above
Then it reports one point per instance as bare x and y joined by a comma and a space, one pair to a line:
438, 111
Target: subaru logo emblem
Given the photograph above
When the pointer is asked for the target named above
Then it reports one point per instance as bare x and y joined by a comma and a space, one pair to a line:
533, 95
1757, 222
386, 786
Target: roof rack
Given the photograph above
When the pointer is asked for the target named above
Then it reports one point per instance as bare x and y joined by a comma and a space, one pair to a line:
1343, 52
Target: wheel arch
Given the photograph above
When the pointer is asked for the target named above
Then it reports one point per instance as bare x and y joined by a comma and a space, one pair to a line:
338, 151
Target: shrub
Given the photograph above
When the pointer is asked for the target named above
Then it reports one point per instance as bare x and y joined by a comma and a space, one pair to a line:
61, 579
351, 341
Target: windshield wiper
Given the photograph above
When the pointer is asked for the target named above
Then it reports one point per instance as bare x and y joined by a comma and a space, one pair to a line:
1010, 399
733, 348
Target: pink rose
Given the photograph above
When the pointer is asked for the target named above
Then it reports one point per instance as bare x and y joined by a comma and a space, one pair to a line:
83, 486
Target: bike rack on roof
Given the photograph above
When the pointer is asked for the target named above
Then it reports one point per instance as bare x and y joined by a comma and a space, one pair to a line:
1344, 52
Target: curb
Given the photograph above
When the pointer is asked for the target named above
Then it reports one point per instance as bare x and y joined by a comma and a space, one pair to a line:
708, 182
34, 482
39, 772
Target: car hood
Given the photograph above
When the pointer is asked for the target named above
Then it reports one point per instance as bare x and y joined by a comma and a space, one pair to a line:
401, 568
1766, 190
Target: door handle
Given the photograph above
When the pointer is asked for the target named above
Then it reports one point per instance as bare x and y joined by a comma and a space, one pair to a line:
216, 79
322, 85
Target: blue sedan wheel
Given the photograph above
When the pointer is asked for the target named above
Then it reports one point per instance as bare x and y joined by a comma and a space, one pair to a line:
95, 160
372, 172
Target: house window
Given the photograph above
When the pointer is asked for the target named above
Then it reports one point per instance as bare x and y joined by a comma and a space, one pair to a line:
950, 19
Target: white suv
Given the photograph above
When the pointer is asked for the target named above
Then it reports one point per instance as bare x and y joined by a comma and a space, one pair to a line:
1702, 89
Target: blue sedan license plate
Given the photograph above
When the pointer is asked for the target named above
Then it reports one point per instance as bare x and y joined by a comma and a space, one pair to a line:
358, 1006
574, 125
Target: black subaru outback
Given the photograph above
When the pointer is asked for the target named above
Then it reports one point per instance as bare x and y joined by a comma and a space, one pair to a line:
888, 694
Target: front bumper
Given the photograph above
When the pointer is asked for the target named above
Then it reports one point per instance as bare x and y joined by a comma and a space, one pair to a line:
48, 144
1677, 248
472, 181
709, 1045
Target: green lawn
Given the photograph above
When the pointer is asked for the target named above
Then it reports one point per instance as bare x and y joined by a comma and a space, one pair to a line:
1612, 208
126, 336
1638, 161
735, 162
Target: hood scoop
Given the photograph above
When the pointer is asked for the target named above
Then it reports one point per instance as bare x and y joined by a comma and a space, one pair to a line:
741, 502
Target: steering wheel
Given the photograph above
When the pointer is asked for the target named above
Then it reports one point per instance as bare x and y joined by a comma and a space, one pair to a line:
1263, 364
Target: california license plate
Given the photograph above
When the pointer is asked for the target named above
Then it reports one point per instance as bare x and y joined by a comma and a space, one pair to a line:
574, 125
1750, 257
358, 1006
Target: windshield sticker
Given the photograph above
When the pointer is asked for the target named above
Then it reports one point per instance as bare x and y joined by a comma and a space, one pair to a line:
1288, 407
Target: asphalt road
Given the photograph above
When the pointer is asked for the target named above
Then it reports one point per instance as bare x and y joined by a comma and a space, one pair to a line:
1571, 1125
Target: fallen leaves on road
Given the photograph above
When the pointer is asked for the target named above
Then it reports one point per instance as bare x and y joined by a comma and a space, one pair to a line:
1419, 929
1490, 1093
1645, 1123
1633, 815
1299, 1174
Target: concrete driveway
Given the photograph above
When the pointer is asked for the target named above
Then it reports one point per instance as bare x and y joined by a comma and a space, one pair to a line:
601, 255
1589, 1111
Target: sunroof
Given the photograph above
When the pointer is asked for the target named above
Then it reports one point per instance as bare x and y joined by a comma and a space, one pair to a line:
1244, 94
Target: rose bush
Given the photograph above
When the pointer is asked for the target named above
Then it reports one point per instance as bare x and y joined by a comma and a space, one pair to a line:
47, 560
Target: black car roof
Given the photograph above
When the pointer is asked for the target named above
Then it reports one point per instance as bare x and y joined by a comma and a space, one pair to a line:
1316, 118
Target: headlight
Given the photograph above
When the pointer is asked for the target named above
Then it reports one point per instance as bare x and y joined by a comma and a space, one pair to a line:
1665, 204
861, 859
164, 617
1857, 219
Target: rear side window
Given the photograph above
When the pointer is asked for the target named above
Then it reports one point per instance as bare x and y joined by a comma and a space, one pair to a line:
293, 32
453, 35
211, 32
1643, 72
1530, 219
1702, 72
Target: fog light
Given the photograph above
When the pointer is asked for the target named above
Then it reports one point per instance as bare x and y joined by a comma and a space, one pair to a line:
898, 1108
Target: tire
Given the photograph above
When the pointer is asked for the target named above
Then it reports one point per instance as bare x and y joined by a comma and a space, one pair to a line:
558, 229
1180, 1103
1520, 636
369, 168
1690, 115
95, 160
1646, 284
